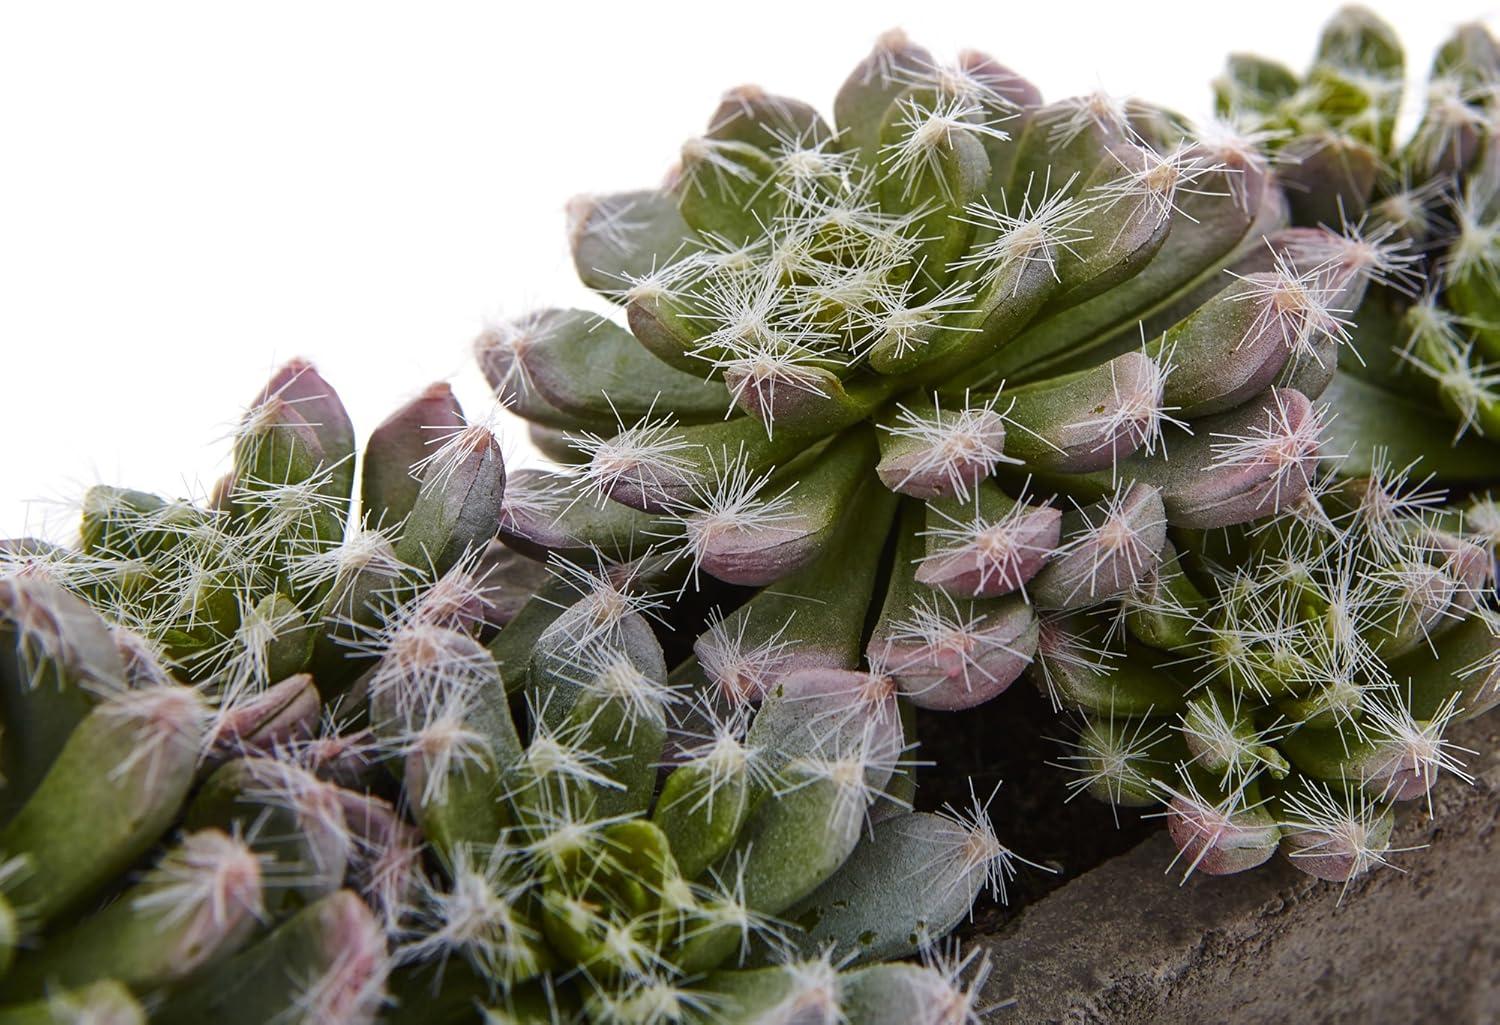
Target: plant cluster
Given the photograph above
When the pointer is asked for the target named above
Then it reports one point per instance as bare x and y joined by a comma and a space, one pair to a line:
961, 389
969, 387
259, 765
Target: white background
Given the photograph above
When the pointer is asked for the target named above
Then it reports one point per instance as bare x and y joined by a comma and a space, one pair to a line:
191, 193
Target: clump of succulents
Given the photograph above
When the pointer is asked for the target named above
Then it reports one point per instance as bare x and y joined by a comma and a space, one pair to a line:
1424, 362
965, 389
261, 766
968, 386
1438, 190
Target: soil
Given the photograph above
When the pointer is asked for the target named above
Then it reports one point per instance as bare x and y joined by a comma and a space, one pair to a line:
1010, 740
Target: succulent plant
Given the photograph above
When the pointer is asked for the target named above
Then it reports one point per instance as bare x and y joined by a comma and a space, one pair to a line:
1436, 190
968, 387
1334, 643
260, 766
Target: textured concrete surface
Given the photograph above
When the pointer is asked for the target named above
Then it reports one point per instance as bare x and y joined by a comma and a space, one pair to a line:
1125, 943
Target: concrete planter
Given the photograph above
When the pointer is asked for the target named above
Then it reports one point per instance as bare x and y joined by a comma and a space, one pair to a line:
1124, 943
